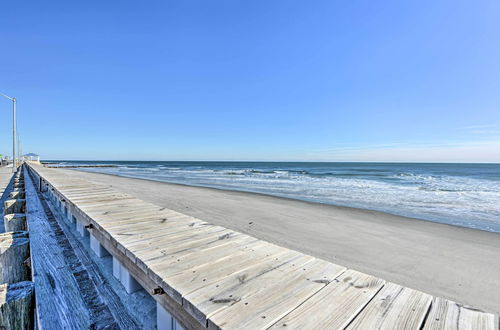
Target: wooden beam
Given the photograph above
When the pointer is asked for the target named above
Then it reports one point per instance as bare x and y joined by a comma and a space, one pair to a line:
16, 305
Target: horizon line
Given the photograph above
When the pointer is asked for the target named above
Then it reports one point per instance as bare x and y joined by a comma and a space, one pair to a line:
267, 161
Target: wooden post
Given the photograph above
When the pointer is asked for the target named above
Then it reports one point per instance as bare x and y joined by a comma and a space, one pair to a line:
96, 246
14, 250
15, 222
16, 305
164, 320
14, 206
17, 194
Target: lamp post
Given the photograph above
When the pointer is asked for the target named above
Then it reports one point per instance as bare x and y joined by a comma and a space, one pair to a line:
13, 99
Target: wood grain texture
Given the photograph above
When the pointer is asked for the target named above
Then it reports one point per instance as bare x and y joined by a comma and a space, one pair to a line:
446, 314
52, 276
394, 307
16, 305
14, 250
15, 222
344, 298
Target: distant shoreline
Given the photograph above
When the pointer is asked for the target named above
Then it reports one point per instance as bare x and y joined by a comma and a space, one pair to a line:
462, 195
351, 208
75, 166
266, 161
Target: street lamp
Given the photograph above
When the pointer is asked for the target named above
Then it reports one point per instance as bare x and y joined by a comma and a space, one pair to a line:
13, 99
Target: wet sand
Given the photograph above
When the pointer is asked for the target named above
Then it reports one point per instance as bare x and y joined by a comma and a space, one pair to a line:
457, 263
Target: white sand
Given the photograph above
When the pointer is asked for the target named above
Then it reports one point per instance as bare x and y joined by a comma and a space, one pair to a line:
456, 263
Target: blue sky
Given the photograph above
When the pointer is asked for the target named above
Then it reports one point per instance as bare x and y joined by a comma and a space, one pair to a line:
253, 80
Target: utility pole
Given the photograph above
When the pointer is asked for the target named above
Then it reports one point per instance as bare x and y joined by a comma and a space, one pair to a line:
14, 129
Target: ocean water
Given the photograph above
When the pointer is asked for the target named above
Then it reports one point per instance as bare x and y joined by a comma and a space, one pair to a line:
459, 194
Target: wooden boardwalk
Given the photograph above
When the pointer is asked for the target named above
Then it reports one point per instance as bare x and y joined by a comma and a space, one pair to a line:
210, 276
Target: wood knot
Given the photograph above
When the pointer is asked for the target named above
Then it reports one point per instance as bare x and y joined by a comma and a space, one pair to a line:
225, 236
224, 300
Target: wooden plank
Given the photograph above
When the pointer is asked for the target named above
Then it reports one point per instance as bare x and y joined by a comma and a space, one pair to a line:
145, 248
161, 251
52, 276
142, 252
134, 229
345, 298
84, 191
16, 305
193, 298
206, 301
14, 250
131, 219
168, 235
261, 303
181, 249
394, 307
215, 272
448, 315
92, 194
117, 209
210, 257
96, 203
111, 213
148, 261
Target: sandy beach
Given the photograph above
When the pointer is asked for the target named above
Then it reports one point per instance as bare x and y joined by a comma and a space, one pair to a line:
456, 263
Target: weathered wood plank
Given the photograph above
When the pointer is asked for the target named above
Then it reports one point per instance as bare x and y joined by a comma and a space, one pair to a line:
151, 248
133, 221
168, 233
204, 275
14, 250
262, 303
448, 315
180, 249
345, 297
53, 276
194, 299
394, 307
14, 206
211, 258
15, 222
16, 305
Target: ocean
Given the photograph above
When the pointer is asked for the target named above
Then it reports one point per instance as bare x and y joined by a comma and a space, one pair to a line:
465, 195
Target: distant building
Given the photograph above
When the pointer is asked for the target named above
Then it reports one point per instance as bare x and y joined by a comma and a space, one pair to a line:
31, 157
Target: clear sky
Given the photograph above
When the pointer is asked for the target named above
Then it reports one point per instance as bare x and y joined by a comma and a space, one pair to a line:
253, 80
